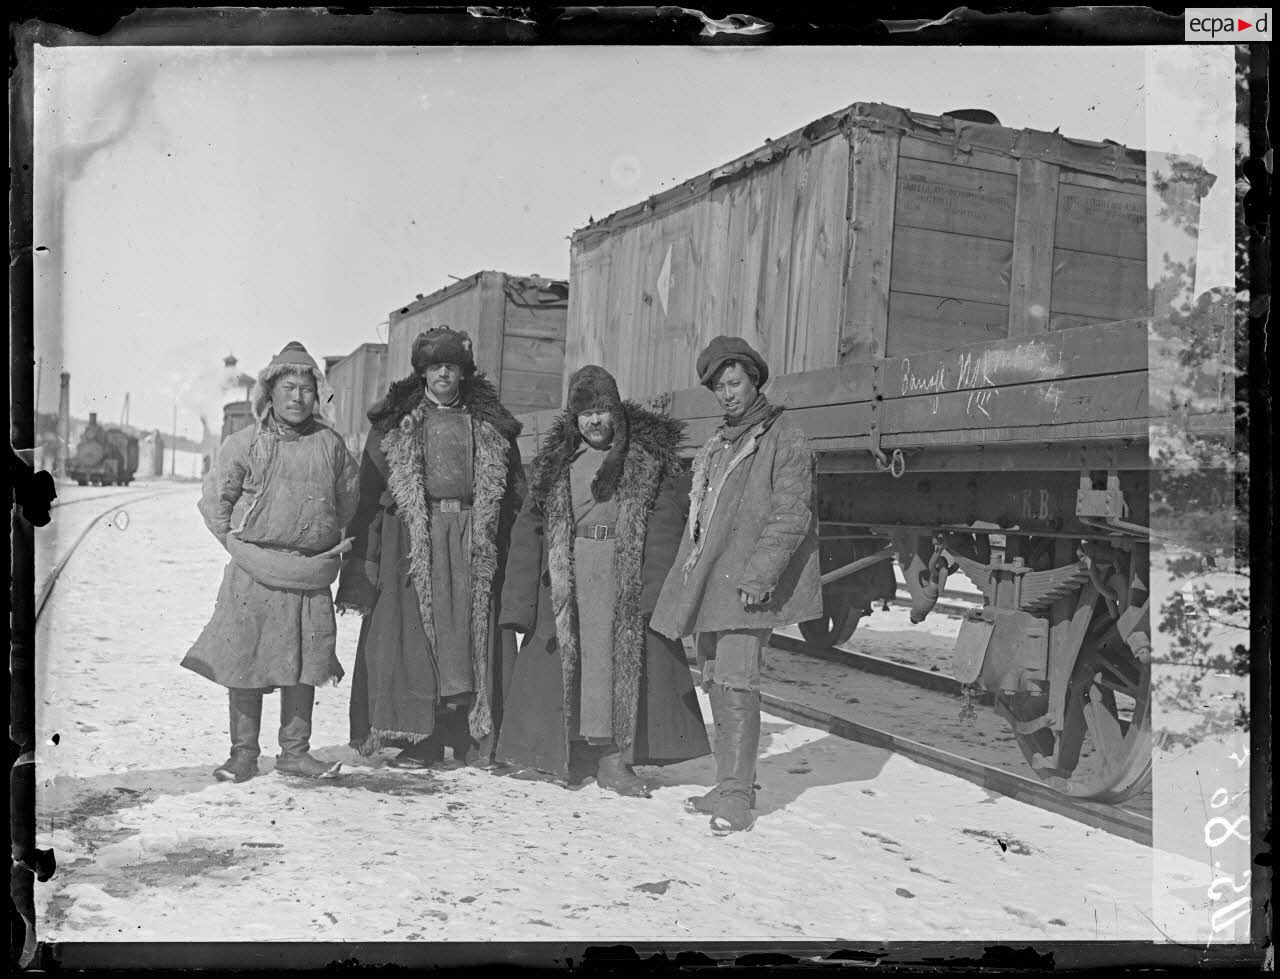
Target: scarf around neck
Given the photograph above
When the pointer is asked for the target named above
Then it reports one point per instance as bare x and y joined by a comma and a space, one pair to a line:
760, 410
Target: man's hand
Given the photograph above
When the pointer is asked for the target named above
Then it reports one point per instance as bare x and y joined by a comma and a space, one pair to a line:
749, 597
339, 548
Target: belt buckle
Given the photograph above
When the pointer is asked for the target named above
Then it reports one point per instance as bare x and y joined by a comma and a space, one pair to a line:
450, 506
600, 532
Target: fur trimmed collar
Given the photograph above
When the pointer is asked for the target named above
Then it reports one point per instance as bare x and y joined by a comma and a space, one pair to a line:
635, 427
479, 397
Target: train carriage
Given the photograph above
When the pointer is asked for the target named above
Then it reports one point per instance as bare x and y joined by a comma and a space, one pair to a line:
104, 456
961, 315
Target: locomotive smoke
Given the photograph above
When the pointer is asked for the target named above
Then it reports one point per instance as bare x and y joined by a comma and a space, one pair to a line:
120, 104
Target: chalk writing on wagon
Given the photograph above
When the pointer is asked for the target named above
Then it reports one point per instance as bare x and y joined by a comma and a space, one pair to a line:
981, 373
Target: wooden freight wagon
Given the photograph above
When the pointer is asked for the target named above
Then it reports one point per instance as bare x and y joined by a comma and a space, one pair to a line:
959, 315
517, 328
358, 380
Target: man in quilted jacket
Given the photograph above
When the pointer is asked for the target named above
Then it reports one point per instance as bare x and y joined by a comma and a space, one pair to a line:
748, 563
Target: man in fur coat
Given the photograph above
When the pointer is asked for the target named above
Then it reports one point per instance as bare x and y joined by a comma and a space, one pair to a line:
589, 552
440, 486
747, 565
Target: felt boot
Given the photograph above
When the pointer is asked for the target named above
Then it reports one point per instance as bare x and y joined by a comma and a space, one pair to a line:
295, 756
246, 721
614, 773
731, 812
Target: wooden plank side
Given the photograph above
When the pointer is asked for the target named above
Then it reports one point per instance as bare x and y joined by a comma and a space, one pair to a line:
1105, 222
815, 336
537, 322
872, 243
823, 422
832, 386
531, 391
491, 320
783, 187
1102, 286
1069, 401
919, 323
960, 199
459, 310
937, 263
1088, 351
1069, 321
1031, 278
525, 354
915, 148
590, 273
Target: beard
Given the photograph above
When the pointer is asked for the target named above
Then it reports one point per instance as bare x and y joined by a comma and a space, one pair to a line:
598, 436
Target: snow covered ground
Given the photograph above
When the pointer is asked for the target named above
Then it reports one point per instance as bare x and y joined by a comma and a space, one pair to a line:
851, 842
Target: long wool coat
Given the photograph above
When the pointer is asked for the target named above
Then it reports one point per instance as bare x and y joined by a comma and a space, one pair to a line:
762, 535
278, 488
387, 574
656, 717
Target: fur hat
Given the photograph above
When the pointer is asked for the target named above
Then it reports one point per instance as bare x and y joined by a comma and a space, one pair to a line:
593, 387
292, 359
443, 345
720, 351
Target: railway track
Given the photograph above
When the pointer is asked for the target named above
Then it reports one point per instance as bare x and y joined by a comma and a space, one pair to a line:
118, 501
1119, 820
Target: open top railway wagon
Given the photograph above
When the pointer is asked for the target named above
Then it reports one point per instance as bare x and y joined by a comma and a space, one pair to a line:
961, 317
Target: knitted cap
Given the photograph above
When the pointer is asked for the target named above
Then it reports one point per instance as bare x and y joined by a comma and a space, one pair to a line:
294, 353
593, 387
720, 351
442, 345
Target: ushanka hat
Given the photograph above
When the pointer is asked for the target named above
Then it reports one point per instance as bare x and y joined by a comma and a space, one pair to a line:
443, 345
593, 388
720, 351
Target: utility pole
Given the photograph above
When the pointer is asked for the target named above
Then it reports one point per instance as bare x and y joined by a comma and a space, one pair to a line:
64, 423
173, 451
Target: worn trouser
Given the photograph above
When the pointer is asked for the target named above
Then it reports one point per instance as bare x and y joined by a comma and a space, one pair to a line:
597, 591
731, 658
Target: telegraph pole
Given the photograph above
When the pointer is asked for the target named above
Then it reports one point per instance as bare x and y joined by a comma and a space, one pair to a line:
173, 448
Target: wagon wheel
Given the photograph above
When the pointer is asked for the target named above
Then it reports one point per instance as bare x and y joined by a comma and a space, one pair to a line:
836, 624
1104, 747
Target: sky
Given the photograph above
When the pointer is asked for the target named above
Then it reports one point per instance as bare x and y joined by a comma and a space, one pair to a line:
200, 202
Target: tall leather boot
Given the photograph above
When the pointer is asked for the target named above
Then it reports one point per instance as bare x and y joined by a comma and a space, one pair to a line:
705, 804
295, 735
731, 812
246, 722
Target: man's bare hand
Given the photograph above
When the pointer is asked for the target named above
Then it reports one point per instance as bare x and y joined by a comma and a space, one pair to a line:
749, 597
339, 548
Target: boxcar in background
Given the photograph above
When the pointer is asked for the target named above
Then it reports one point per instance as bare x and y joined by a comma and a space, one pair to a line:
358, 380
960, 315
517, 328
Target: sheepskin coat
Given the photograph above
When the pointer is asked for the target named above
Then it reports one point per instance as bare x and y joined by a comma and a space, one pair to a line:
656, 718
760, 534
387, 574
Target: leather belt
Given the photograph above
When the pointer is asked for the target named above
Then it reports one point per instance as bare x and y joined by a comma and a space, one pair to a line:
598, 532
450, 506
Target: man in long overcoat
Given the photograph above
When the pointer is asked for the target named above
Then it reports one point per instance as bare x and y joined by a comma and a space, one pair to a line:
277, 500
440, 486
747, 564
589, 553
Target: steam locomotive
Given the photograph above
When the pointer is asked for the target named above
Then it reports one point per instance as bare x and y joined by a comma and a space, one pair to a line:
104, 456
